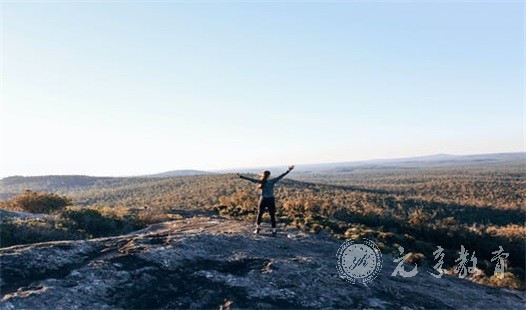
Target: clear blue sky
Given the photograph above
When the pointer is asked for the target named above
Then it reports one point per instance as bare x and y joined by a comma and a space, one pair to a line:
124, 88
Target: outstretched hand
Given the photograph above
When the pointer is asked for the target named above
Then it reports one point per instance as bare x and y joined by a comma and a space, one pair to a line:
291, 167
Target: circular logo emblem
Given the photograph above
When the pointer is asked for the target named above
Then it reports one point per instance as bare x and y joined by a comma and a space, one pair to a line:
362, 261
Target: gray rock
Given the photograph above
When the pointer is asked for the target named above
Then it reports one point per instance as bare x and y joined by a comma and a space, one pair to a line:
217, 263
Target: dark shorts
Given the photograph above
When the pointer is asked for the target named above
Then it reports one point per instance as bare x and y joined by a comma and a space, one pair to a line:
267, 203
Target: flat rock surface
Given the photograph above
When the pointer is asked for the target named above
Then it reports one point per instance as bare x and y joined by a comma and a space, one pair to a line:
204, 262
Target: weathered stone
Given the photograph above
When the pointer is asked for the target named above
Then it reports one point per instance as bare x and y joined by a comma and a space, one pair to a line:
217, 263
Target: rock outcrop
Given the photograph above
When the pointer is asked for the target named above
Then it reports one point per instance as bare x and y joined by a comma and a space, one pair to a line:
205, 262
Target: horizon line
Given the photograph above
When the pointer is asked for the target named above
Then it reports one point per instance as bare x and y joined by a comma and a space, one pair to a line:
226, 170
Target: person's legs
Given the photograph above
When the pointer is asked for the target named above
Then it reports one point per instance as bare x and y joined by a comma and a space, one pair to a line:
272, 212
261, 210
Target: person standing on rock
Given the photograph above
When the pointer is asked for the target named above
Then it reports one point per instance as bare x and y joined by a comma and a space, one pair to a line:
267, 199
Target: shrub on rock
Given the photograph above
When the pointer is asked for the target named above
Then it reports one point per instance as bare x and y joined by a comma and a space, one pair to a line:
40, 202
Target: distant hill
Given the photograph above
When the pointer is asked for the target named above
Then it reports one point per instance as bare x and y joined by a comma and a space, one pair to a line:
70, 183
448, 158
430, 161
59, 183
55, 180
176, 173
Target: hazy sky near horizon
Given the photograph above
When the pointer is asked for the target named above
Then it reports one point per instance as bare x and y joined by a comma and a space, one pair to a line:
126, 88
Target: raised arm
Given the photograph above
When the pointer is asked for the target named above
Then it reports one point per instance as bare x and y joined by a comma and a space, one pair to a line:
279, 177
248, 179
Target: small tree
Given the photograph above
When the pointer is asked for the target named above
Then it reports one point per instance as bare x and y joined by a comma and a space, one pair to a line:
40, 202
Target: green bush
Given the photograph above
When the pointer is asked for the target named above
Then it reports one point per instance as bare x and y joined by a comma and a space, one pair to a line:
25, 231
96, 224
40, 202
70, 224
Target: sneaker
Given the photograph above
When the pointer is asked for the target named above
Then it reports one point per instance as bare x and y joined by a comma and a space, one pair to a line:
256, 231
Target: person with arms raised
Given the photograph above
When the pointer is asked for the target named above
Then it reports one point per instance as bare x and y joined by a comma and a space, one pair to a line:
267, 199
